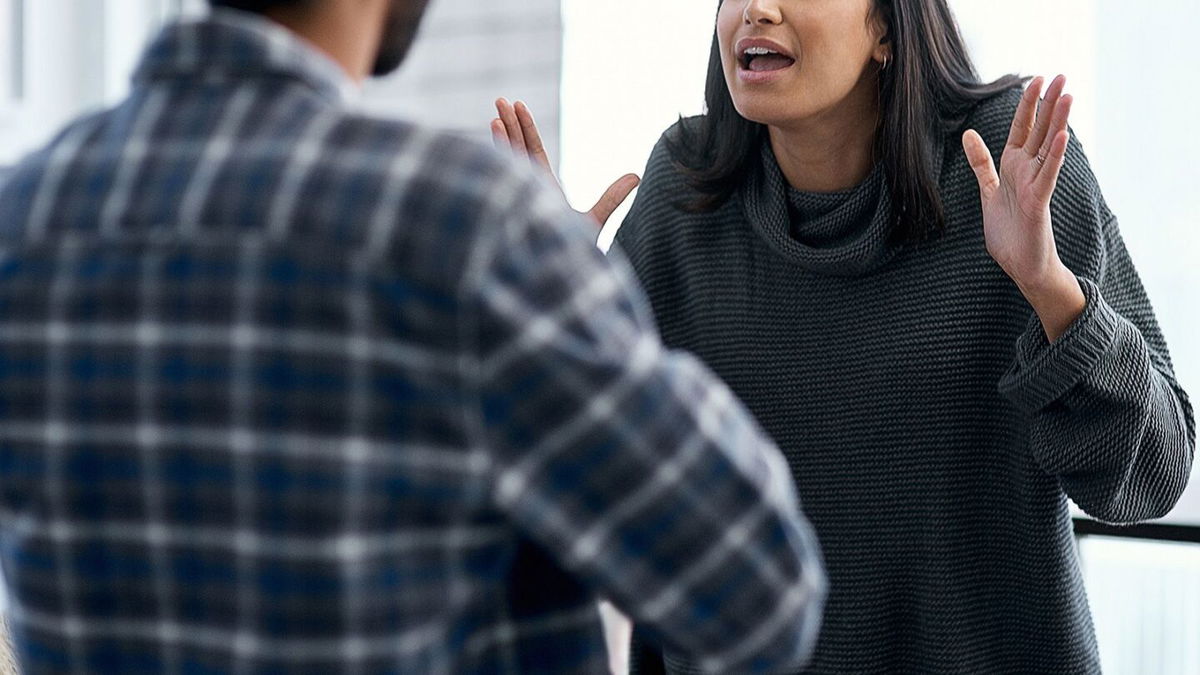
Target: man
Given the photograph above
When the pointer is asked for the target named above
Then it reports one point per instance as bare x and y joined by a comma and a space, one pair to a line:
284, 388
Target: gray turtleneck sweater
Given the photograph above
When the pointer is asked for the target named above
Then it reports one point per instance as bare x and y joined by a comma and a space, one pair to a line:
934, 434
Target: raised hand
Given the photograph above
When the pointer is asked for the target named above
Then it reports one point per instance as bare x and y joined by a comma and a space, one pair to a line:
1016, 203
516, 130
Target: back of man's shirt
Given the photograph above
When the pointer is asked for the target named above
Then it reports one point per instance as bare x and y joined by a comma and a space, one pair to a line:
283, 388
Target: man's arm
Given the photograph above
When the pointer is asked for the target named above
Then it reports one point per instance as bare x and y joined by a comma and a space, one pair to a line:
633, 465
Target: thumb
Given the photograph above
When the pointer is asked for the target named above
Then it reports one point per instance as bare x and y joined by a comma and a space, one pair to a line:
981, 162
613, 197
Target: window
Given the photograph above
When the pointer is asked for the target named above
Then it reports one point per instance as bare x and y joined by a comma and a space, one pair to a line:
65, 57
12, 75
467, 55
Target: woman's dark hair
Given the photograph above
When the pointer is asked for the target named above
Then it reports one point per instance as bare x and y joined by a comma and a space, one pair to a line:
929, 89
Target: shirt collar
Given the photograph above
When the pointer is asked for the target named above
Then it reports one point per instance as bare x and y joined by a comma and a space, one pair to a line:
233, 44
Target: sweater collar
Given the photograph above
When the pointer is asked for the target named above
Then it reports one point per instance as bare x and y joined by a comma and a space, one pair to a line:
846, 234
234, 45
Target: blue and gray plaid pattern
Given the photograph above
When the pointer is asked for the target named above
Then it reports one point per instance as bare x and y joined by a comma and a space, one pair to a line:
284, 388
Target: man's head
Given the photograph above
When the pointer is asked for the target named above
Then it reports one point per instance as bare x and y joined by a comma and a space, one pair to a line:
401, 20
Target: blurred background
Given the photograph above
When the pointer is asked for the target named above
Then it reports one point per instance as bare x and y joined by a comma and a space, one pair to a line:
606, 78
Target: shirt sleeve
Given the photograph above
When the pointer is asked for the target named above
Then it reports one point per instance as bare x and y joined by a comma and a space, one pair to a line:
1108, 416
632, 465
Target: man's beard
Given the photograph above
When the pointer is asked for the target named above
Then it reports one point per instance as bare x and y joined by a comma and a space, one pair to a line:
399, 32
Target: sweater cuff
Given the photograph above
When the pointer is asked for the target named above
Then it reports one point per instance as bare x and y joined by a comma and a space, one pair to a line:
1044, 372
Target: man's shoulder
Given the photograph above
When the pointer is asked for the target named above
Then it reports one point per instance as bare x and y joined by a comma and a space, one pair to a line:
21, 182
437, 192
333, 175
404, 150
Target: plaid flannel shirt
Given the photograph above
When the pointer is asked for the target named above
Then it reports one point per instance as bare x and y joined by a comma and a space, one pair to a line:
285, 388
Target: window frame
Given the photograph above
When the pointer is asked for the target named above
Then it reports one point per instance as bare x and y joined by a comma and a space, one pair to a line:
14, 79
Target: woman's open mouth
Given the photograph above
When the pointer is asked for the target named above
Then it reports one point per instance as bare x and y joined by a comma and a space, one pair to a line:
763, 60
760, 59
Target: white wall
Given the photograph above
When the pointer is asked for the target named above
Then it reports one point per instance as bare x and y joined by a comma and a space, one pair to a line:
630, 69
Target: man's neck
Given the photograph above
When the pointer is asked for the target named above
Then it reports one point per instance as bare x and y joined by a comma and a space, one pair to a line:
834, 151
349, 33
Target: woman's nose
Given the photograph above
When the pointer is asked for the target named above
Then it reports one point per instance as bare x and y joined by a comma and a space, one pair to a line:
762, 12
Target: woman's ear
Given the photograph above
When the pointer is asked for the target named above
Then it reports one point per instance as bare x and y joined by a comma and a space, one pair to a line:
883, 49
881, 34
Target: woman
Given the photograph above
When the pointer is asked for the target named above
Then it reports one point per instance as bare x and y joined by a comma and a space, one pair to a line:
944, 351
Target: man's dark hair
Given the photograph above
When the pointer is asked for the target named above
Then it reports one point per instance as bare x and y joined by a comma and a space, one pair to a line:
258, 6
928, 92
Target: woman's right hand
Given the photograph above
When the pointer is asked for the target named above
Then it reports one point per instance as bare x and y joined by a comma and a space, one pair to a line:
515, 130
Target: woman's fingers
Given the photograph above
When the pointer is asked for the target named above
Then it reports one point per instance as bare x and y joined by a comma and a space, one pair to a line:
517, 127
1062, 118
613, 197
517, 131
1045, 114
1022, 124
512, 127
500, 136
982, 163
533, 138
1046, 181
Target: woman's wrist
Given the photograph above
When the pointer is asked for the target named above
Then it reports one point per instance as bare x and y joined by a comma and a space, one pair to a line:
1057, 298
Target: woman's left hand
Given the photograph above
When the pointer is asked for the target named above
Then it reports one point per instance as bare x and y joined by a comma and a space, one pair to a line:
1016, 204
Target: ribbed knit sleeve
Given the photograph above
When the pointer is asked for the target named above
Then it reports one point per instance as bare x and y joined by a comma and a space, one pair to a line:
1107, 415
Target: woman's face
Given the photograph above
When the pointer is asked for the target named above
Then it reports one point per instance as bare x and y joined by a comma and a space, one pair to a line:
788, 61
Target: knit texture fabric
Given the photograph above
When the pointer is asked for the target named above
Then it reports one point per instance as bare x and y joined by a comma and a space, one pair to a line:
841, 234
933, 432
823, 219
